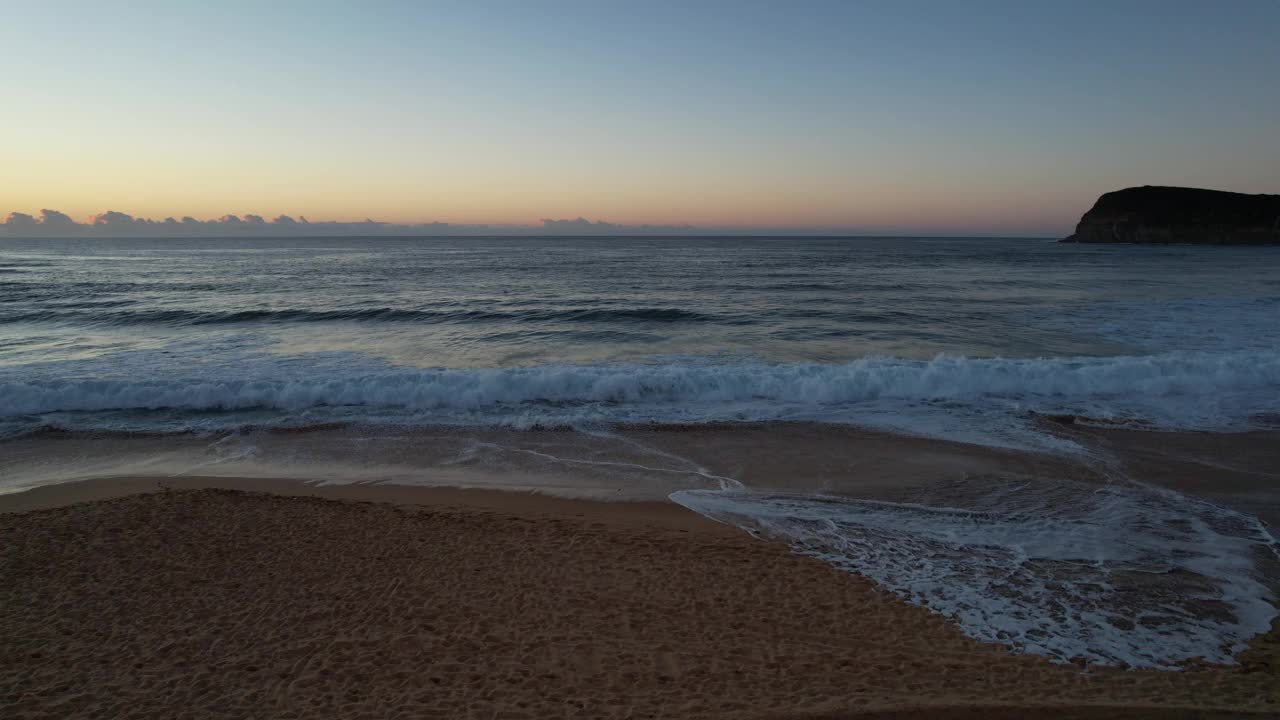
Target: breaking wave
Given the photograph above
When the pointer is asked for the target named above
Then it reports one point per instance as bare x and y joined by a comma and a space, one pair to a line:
1175, 391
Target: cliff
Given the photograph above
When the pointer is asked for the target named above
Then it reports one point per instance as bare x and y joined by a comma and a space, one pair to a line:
1181, 215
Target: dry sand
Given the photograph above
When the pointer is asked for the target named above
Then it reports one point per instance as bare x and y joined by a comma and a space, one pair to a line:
317, 603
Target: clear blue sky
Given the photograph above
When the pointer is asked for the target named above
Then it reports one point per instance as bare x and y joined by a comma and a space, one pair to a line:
946, 117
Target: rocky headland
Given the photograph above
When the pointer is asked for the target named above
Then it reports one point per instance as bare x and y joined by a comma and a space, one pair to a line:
1152, 214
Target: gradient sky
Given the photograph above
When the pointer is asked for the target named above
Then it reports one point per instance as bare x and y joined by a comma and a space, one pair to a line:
936, 117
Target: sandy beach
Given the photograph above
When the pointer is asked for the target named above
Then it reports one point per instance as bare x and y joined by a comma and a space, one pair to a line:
205, 600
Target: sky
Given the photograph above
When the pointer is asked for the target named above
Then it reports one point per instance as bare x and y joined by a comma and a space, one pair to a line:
909, 117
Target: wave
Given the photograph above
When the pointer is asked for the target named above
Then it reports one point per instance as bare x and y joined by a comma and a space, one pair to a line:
1176, 390
380, 314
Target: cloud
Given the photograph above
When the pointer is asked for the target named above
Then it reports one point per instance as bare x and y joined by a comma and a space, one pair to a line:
583, 226
578, 225
112, 223
113, 220
19, 222
52, 219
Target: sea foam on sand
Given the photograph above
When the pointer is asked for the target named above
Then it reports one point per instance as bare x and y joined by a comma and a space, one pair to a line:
1114, 574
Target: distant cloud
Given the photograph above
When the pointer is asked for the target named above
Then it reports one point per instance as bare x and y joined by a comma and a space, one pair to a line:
579, 225
113, 223
113, 220
19, 221
51, 223
583, 226
52, 219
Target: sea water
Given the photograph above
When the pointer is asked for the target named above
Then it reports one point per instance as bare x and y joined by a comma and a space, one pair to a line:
973, 340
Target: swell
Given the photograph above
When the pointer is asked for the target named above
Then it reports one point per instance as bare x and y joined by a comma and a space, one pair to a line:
177, 317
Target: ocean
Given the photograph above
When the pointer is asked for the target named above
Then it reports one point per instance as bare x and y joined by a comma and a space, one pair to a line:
419, 358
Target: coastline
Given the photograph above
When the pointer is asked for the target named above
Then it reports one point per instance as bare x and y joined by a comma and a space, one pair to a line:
323, 600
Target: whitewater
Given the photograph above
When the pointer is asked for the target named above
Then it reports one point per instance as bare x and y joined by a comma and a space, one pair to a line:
992, 400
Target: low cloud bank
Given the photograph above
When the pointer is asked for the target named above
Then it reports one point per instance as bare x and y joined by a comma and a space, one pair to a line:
583, 226
51, 223
54, 224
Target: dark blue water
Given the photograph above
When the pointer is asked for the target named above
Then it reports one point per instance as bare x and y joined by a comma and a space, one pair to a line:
890, 331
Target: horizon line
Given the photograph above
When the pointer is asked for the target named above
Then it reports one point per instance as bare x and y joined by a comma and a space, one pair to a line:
550, 235
55, 224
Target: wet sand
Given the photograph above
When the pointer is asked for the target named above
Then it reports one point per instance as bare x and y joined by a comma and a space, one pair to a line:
125, 600
647, 463
636, 463
1241, 470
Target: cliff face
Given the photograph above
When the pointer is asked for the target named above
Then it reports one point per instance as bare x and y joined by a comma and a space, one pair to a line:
1181, 215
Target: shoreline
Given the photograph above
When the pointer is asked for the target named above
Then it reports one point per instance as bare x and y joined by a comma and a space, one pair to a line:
538, 588
512, 500
647, 463
456, 601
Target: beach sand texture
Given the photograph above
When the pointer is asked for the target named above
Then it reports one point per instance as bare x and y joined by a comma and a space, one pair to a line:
204, 602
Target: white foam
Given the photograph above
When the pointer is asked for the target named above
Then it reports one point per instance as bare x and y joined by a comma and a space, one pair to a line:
1118, 574
977, 400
